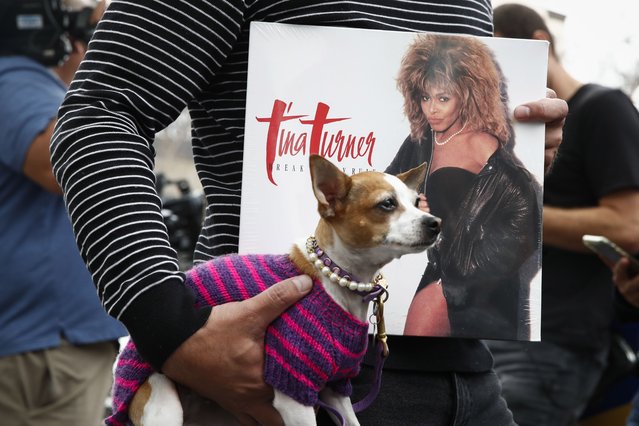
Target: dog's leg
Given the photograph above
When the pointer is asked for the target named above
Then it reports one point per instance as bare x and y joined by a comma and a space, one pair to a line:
156, 403
293, 413
342, 404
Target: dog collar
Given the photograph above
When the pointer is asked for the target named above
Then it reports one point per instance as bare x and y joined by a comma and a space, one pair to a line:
335, 273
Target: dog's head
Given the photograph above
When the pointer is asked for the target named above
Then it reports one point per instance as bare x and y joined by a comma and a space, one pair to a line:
372, 213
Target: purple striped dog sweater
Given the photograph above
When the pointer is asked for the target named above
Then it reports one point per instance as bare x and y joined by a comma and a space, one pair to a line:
314, 343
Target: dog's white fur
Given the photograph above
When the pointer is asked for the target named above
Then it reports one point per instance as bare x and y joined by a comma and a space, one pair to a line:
398, 230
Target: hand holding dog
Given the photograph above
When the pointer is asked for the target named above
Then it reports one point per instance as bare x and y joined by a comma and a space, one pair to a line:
224, 360
553, 112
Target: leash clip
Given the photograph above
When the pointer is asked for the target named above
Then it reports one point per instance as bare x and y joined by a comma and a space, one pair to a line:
381, 348
378, 310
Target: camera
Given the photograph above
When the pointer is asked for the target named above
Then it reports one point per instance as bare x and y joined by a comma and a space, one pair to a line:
42, 29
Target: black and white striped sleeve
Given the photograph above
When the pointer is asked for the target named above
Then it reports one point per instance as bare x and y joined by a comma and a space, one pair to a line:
147, 60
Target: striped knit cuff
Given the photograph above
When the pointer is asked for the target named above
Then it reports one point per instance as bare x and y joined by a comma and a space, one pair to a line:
161, 319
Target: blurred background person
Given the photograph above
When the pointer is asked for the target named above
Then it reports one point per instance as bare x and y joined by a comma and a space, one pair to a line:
57, 345
593, 189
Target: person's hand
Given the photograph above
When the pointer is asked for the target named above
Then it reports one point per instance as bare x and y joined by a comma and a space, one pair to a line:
628, 286
224, 360
553, 112
422, 204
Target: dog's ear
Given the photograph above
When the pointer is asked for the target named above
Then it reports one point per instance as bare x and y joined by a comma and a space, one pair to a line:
414, 177
330, 184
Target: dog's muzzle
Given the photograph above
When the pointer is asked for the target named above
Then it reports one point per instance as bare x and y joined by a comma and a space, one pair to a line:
431, 226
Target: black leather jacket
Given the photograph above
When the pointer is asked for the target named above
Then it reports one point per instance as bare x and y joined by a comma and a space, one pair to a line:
488, 255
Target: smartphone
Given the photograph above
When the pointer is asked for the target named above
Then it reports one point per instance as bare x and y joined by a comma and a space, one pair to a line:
610, 252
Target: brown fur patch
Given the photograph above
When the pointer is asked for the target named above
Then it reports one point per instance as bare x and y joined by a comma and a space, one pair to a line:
359, 221
141, 397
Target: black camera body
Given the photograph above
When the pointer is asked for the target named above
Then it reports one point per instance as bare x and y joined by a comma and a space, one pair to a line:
42, 29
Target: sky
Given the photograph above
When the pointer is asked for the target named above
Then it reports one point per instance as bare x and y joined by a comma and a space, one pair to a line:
602, 43
597, 43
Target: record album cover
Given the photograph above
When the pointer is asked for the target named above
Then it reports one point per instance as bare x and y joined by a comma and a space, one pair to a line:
384, 100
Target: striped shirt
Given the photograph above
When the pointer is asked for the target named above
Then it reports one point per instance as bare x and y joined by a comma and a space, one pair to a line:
312, 344
148, 61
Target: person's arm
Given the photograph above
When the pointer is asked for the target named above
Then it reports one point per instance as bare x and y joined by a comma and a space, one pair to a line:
610, 125
37, 163
146, 61
31, 96
615, 217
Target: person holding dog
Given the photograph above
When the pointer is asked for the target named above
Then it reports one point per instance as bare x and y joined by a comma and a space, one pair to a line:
148, 61
455, 99
593, 189
57, 345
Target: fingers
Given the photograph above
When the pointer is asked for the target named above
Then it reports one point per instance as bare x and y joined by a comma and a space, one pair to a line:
620, 273
268, 305
547, 110
628, 287
553, 112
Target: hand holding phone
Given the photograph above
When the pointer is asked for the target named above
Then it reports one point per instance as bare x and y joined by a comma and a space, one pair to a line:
609, 252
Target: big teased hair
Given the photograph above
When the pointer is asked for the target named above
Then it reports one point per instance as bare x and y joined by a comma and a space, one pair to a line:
465, 65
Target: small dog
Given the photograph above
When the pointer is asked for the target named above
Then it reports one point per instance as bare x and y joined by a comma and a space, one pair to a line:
315, 348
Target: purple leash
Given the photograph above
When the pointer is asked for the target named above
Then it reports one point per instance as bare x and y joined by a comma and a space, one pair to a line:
379, 295
365, 402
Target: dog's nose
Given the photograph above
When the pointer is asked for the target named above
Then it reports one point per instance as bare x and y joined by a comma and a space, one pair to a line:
433, 224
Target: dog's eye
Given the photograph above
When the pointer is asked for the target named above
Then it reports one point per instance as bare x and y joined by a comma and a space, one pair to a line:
388, 204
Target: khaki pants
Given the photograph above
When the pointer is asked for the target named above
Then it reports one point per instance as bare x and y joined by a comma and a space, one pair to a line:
63, 386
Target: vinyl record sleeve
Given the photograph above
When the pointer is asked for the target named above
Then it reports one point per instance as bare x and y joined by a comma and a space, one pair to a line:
333, 91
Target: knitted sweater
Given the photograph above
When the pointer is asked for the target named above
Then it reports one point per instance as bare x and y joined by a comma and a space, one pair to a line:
313, 343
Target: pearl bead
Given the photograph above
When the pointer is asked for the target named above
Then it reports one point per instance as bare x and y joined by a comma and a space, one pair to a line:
326, 266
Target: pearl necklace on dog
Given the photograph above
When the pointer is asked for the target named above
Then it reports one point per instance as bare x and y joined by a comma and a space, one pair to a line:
334, 272
444, 142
